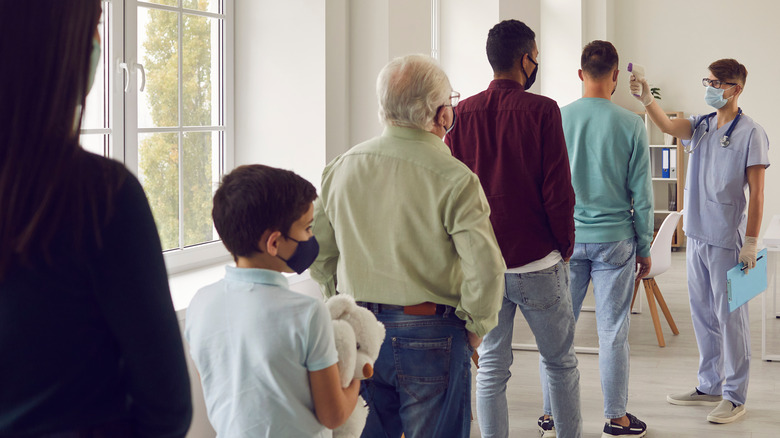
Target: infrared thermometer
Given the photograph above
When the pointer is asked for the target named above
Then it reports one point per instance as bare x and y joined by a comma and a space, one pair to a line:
638, 71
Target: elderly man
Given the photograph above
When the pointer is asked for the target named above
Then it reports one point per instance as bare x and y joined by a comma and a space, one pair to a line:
405, 229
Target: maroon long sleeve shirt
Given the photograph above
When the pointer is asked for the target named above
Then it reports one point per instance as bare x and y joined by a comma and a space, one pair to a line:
513, 140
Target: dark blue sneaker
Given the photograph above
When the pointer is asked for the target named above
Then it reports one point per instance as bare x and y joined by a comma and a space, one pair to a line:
635, 428
546, 427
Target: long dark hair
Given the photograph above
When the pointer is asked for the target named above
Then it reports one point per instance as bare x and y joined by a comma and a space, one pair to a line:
45, 192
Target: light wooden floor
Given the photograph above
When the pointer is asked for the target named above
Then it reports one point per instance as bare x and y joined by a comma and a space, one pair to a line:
655, 372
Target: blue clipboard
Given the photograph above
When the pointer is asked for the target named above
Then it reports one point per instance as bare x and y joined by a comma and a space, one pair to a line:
744, 287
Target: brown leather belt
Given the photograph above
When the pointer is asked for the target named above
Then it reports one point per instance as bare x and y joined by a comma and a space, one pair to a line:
426, 308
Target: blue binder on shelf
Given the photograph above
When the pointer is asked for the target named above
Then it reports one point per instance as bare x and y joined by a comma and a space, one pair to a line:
665, 163
744, 287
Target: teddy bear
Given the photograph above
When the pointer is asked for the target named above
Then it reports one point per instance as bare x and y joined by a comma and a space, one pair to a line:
359, 337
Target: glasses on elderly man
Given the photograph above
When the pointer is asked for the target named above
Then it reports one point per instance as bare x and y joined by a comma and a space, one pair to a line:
454, 98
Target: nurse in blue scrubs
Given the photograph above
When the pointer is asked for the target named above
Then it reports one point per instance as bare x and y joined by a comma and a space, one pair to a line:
729, 152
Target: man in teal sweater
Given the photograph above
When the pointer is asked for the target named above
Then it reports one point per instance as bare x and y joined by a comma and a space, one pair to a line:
613, 219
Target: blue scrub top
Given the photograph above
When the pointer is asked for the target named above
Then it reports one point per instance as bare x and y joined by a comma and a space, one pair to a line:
715, 201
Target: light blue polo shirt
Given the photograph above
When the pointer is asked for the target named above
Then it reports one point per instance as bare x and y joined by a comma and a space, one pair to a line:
254, 342
715, 184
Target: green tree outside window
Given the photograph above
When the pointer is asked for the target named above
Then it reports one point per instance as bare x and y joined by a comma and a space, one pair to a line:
159, 160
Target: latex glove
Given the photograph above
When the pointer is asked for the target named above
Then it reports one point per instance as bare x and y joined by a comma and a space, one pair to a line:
747, 255
636, 84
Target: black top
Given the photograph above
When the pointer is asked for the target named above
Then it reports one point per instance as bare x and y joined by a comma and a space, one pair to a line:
95, 338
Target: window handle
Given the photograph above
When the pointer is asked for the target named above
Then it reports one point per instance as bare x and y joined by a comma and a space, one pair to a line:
140, 68
123, 67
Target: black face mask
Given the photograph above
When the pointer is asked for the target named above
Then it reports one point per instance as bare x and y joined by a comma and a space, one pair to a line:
532, 78
304, 255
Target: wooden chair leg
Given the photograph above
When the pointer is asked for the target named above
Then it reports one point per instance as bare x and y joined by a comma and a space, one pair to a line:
636, 289
653, 311
664, 308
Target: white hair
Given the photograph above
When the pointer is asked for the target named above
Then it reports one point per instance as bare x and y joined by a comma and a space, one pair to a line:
410, 90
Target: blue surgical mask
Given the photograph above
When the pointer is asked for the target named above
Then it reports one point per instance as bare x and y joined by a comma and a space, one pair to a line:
304, 255
714, 97
94, 58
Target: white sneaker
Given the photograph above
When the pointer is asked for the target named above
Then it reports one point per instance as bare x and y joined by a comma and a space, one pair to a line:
726, 412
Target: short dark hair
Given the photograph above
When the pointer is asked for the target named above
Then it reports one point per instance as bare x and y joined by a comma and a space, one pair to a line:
507, 42
729, 70
255, 198
599, 58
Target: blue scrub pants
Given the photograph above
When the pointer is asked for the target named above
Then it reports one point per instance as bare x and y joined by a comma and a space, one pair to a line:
723, 337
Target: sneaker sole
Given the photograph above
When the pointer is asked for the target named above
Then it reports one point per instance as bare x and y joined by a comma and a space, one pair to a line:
547, 433
692, 402
606, 435
718, 420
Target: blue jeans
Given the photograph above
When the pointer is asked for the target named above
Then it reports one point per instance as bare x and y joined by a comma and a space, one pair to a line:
422, 379
544, 299
612, 267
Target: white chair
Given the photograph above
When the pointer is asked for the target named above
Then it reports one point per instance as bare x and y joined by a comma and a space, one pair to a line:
661, 255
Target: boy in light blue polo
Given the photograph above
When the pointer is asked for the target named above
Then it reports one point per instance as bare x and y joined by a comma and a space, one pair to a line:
266, 355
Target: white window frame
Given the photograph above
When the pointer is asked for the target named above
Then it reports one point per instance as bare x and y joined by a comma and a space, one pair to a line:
124, 113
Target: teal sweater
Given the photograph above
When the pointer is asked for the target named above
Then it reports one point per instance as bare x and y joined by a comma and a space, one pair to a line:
610, 172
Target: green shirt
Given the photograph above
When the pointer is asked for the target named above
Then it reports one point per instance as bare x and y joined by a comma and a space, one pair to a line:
610, 172
400, 221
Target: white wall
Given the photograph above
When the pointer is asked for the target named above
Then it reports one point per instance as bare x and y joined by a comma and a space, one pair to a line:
464, 27
380, 30
677, 40
337, 79
560, 50
280, 74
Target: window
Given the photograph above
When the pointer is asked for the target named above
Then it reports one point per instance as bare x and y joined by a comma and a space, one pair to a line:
160, 104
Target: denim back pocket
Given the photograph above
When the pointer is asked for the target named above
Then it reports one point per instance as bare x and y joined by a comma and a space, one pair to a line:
538, 290
614, 253
422, 365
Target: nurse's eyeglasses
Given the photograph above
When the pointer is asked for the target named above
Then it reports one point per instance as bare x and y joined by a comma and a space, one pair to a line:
714, 83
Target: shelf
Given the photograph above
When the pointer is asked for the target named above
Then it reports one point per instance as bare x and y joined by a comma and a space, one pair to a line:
666, 189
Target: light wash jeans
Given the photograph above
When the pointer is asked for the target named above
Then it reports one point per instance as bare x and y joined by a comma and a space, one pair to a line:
612, 267
544, 299
422, 379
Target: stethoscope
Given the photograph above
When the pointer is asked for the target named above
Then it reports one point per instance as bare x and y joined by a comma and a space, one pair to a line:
725, 141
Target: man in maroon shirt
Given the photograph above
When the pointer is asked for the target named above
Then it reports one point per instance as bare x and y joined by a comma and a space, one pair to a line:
513, 140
